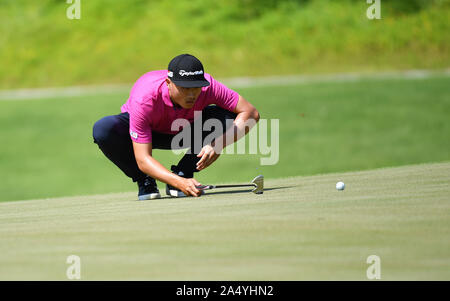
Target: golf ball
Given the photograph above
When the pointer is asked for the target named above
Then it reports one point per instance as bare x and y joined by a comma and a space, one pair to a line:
340, 185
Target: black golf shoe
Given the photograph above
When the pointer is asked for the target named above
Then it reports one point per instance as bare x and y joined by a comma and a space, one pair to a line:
174, 192
148, 189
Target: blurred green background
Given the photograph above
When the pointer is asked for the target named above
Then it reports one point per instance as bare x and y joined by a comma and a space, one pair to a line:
116, 41
46, 144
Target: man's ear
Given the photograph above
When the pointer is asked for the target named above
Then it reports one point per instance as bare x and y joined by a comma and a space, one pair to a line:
168, 81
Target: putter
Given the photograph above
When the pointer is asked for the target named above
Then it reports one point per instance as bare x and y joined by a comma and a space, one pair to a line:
257, 182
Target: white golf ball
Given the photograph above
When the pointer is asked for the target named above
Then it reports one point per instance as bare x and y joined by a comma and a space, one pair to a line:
340, 185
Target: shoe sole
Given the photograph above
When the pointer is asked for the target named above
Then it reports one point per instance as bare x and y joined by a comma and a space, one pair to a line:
175, 193
150, 196
179, 194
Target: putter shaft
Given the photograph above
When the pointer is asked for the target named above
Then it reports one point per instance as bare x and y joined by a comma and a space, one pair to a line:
257, 183
223, 186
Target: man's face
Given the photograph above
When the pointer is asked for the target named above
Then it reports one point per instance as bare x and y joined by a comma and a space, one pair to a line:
184, 97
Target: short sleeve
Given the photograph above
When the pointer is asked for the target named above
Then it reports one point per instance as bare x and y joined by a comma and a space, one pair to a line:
222, 96
140, 130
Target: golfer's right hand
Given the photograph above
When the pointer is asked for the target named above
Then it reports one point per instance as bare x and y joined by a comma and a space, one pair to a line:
188, 186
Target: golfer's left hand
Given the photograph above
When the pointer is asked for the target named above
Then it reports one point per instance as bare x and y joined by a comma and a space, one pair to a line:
208, 155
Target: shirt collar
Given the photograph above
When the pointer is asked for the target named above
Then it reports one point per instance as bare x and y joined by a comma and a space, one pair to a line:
166, 96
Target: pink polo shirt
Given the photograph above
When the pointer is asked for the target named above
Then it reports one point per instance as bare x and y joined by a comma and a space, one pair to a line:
151, 109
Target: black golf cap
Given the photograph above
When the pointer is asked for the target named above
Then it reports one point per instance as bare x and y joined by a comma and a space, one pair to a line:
187, 71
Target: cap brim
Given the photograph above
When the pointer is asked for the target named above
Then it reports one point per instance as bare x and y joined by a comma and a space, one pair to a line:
191, 84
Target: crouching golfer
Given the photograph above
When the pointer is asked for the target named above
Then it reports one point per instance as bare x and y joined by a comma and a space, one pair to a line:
157, 99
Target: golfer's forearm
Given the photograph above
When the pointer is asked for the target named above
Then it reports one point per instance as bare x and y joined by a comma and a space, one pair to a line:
243, 123
156, 170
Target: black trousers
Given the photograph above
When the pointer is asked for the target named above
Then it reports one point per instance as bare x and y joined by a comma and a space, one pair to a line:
112, 135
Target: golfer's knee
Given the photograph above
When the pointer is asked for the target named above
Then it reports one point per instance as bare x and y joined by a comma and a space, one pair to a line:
218, 113
214, 111
102, 130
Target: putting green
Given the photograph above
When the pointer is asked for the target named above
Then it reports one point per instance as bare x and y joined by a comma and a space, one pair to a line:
301, 228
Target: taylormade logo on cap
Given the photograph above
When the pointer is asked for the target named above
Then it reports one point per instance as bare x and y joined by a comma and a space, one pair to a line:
187, 73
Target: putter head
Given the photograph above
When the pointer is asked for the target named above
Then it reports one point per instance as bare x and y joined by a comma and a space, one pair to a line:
259, 184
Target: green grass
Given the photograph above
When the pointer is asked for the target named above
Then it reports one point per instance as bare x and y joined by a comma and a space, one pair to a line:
115, 40
301, 228
47, 148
